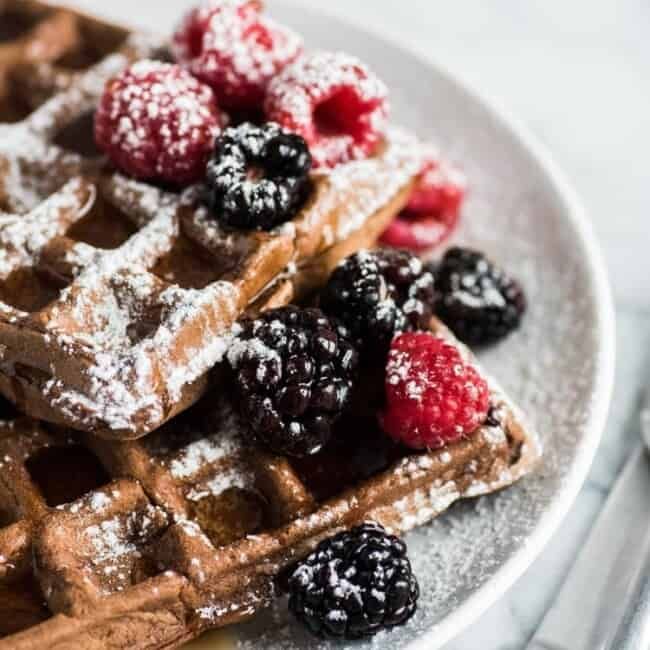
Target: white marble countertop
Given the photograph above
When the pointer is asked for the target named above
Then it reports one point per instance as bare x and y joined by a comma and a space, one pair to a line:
577, 73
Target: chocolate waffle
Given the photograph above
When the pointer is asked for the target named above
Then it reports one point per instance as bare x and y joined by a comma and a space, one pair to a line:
116, 296
188, 528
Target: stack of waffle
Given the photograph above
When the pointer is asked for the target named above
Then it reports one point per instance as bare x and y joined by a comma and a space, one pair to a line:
130, 514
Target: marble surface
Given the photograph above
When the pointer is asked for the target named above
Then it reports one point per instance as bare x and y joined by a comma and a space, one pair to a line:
576, 73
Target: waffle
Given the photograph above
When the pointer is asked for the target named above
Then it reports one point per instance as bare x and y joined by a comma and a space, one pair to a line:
117, 297
187, 528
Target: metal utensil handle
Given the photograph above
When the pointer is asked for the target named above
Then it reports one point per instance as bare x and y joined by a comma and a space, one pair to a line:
633, 633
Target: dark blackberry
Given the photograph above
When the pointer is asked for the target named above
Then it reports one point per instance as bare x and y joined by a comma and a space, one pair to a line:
476, 299
379, 294
258, 176
354, 585
294, 371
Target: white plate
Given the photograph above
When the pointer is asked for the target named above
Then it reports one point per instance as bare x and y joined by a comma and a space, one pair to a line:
559, 367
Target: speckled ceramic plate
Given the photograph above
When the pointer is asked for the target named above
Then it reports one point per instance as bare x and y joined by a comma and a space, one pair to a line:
559, 367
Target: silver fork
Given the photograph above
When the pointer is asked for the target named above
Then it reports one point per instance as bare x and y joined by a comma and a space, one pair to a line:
604, 603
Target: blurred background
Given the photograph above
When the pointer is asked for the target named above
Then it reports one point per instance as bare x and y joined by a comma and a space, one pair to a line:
577, 73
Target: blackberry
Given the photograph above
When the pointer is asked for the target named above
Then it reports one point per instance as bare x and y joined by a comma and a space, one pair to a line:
354, 585
294, 374
477, 300
258, 176
379, 294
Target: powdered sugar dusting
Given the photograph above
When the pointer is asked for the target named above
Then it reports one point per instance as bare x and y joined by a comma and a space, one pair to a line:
32, 167
157, 121
223, 444
356, 190
237, 476
316, 78
107, 301
221, 450
23, 237
65, 107
253, 347
183, 42
439, 172
232, 59
551, 367
371, 183
180, 309
215, 611
110, 297
551, 363
114, 538
108, 541
255, 64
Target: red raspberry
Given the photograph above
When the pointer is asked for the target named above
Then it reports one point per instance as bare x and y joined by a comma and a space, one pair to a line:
187, 41
334, 102
433, 397
433, 211
240, 53
156, 122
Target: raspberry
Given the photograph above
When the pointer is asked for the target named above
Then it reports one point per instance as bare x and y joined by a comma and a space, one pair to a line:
378, 294
479, 301
433, 397
239, 54
333, 101
354, 585
441, 188
187, 41
258, 176
156, 122
294, 372
433, 211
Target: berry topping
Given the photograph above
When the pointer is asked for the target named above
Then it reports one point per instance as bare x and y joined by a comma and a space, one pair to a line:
479, 301
333, 101
236, 51
354, 585
294, 372
258, 176
378, 294
433, 397
156, 122
187, 41
440, 189
433, 211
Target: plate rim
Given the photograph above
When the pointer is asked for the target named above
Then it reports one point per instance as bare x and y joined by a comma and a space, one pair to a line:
599, 400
